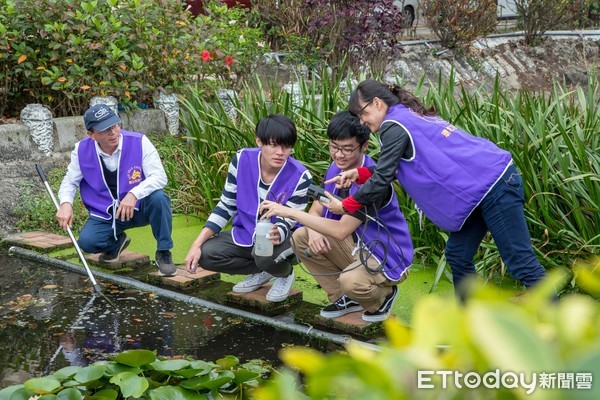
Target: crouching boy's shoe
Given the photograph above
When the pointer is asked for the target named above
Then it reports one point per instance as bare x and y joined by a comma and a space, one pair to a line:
164, 261
384, 311
281, 288
252, 282
342, 306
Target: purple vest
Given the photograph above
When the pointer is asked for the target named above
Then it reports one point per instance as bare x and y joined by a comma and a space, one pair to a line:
450, 171
95, 193
398, 242
248, 179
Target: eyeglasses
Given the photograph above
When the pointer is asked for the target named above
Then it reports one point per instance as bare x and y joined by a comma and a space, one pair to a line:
333, 149
107, 131
359, 113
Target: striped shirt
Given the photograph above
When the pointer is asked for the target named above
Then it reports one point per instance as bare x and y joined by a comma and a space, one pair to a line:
227, 207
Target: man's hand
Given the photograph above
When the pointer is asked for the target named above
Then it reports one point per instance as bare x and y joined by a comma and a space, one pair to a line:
334, 205
318, 243
126, 207
64, 216
274, 235
192, 258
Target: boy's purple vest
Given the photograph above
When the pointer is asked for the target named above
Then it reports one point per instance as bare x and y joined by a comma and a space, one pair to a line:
450, 171
399, 245
248, 201
94, 191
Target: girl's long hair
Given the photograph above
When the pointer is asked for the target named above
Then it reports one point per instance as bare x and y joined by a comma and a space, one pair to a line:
390, 94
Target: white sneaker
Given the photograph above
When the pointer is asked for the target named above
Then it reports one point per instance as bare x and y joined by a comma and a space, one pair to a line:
253, 282
281, 288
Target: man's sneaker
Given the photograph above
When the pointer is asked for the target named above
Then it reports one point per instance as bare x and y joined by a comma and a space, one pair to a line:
124, 241
253, 282
281, 288
342, 306
384, 311
165, 264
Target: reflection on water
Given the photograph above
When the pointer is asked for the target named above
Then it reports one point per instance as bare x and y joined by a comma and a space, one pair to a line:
49, 318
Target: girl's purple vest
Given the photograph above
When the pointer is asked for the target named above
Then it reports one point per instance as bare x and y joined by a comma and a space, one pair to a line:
450, 171
248, 201
398, 243
94, 191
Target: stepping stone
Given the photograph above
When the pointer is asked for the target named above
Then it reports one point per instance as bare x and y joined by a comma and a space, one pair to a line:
258, 299
184, 280
351, 323
43, 242
128, 259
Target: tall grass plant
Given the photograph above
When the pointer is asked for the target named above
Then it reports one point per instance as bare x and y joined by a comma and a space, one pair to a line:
552, 137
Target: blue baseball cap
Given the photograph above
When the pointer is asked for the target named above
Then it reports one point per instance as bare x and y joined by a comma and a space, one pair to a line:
100, 117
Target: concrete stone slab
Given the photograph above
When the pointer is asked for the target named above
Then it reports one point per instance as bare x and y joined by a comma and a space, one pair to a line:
146, 121
43, 242
351, 323
128, 259
258, 299
67, 132
184, 280
15, 143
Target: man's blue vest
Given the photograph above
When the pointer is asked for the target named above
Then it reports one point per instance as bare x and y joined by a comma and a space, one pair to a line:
395, 244
248, 201
94, 190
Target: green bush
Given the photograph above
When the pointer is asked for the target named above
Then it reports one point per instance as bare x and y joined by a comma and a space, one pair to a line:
344, 33
582, 14
539, 16
67, 51
37, 212
458, 22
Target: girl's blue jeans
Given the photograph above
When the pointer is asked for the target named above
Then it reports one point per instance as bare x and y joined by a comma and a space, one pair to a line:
501, 212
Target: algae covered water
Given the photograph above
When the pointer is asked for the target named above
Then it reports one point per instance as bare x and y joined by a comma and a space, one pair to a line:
50, 318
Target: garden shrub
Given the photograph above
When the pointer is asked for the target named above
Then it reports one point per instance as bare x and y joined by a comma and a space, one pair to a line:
229, 48
458, 22
67, 51
367, 34
36, 211
538, 16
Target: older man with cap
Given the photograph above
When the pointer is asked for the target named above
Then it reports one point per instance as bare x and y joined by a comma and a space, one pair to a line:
120, 177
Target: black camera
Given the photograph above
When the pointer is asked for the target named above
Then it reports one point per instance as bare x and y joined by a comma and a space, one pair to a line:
318, 193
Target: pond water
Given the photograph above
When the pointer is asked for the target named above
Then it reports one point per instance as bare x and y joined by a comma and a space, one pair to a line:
50, 318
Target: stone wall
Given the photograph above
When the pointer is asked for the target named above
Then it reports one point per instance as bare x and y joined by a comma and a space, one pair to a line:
16, 144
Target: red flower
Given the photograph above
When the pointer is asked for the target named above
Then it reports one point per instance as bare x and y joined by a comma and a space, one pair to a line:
229, 61
206, 56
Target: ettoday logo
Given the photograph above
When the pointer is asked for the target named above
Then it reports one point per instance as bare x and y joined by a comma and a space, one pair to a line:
509, 380
472, 380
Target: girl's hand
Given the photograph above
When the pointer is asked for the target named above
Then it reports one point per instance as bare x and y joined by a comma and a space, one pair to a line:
270, 209
345, 179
